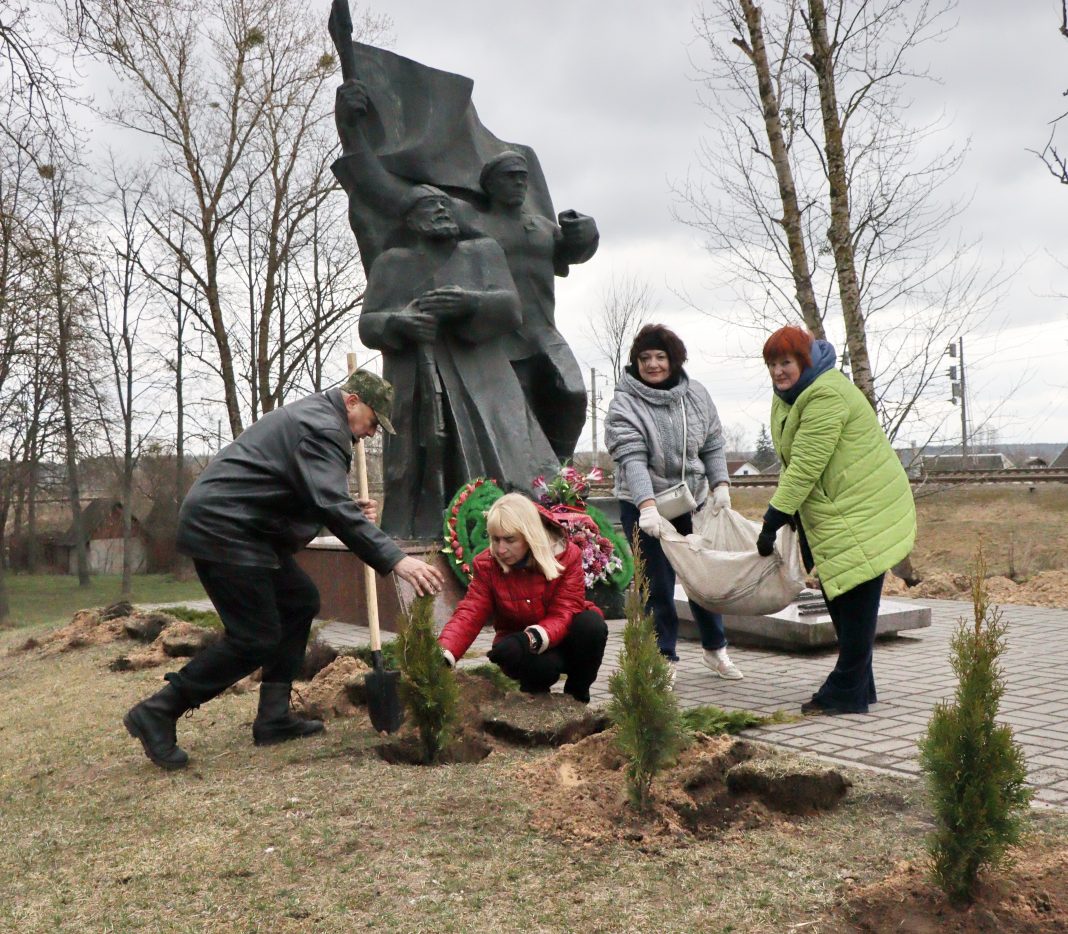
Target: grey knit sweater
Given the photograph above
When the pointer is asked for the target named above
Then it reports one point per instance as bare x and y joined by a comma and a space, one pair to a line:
643, 433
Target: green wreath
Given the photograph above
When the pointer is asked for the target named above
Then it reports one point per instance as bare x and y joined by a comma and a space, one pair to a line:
465, 525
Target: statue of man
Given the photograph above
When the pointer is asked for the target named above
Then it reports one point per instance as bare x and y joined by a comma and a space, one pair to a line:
438, 308
388, 146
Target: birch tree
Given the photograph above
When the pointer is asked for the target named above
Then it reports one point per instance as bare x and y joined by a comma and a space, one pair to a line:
823, 201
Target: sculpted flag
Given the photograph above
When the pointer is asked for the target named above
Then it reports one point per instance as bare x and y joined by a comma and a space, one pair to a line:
423, 127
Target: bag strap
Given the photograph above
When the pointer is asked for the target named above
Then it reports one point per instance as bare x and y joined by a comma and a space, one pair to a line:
684, 438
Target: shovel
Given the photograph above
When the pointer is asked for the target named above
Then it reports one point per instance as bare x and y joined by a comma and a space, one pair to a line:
383, 700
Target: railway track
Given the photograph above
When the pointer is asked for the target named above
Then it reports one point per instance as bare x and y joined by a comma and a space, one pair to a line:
1027, 476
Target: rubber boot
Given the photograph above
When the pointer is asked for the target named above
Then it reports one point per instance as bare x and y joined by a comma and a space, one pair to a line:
153, 723
275, 722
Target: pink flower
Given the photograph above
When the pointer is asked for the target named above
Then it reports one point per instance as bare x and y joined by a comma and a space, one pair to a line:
595, 474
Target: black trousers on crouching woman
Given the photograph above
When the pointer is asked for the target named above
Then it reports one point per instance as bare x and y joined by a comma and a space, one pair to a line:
851, 686
578, 655
266, 614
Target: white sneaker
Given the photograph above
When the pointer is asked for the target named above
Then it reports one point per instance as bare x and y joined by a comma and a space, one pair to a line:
717, 660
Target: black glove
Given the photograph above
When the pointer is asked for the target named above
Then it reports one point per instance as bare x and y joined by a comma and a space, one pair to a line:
765, 542
508, 652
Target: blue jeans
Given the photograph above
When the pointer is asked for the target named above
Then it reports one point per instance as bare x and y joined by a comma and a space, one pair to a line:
661, 575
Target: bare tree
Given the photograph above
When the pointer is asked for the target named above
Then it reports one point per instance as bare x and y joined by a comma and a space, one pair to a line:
1053, 158
626, 303
234, 95
120, 300
817, 177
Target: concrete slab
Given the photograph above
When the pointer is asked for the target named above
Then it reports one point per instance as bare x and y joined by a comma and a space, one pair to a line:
793, 629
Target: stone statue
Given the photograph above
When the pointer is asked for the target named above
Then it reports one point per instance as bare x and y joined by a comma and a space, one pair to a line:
438, 307
403, 124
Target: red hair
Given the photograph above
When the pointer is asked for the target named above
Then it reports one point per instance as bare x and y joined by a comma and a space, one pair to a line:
790, 341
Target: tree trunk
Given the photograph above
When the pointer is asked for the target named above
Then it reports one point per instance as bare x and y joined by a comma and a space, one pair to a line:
840, 232
67, 404
791, 219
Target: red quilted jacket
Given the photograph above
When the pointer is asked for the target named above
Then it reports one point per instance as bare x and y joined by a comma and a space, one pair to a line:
516, 600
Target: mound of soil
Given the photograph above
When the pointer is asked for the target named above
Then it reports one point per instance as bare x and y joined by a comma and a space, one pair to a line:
178, 639
1031, 897
1048, 588
582, 797
88, 627
336, 691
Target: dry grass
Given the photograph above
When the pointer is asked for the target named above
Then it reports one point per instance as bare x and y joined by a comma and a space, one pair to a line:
323, 836
1023, 532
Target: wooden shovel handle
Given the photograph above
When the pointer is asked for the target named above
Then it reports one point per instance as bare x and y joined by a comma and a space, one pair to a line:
370, 584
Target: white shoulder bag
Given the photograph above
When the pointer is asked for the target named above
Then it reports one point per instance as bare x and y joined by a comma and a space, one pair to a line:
677, 500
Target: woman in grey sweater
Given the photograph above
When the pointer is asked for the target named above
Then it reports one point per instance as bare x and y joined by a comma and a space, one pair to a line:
656, 411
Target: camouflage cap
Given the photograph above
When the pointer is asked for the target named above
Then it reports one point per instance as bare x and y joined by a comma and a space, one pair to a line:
374, 392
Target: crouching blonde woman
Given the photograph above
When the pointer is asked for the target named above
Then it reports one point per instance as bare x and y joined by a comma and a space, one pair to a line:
531, 584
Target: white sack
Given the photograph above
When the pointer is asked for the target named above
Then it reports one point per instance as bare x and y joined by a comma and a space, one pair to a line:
719, 568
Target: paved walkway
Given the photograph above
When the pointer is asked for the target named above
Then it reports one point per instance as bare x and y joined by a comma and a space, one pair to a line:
912, 673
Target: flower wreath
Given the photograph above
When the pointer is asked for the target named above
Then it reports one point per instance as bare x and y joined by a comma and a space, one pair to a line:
465, 524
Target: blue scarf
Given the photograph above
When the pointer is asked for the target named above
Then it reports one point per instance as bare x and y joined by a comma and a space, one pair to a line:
824, 357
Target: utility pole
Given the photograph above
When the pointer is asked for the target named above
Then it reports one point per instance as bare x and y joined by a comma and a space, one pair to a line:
959, 388
593, 410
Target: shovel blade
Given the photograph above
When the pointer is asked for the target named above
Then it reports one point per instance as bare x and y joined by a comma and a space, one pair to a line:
383, 701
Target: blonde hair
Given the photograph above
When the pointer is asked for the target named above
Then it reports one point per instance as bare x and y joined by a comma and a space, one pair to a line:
514, 514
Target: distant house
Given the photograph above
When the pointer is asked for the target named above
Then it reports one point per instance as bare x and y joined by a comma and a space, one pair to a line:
1036, 463
945, 463
102, 525
1062, 459
772, 470
742, 469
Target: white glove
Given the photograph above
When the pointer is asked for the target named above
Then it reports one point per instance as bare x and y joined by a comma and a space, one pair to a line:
721, 498
649, 521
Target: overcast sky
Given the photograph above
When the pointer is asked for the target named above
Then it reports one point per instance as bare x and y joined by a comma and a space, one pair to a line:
605, 94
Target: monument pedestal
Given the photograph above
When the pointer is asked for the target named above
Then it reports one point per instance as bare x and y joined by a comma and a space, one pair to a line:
792, 630
339, 575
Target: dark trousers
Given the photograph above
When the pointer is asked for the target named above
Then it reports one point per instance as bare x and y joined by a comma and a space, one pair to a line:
578, 655
851, 686
266, 614
661, 576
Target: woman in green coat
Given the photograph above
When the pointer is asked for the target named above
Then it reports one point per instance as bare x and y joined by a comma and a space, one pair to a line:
845, 491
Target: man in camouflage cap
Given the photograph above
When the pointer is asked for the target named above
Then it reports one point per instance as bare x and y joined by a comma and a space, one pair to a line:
262, 499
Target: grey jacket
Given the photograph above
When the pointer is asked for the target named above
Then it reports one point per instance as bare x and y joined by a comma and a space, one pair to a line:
270, 491
643, 433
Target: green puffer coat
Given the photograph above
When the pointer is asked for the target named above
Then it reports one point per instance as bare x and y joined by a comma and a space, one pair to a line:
840, 473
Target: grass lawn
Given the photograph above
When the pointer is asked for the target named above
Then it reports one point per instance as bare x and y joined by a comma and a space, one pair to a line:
321, 835
43, 598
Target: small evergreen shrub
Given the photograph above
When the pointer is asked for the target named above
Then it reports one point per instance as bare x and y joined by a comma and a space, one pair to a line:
208, 619
975, 770
428, 687
649, 728
712, 720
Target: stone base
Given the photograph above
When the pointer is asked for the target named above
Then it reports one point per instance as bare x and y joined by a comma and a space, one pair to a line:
339, 575
791, 631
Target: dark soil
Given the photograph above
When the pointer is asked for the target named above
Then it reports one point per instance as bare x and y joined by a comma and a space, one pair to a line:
409, 751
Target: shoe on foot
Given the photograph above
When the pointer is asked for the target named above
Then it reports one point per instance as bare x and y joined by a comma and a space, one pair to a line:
814, 708
153, 721
275, 722
720, 663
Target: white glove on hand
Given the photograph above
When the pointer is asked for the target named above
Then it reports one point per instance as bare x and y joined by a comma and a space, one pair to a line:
721, 498
649, 521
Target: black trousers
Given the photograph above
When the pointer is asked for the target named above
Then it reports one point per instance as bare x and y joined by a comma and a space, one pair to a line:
578, 655
266, 614
851, 686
